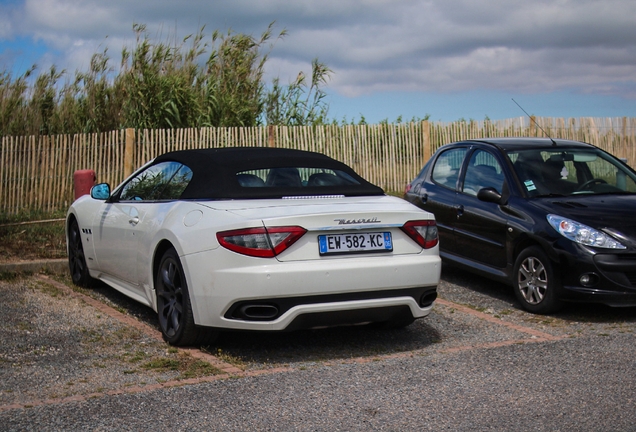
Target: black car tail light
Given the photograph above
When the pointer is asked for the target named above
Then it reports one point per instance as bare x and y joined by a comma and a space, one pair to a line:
424, 232
260, 242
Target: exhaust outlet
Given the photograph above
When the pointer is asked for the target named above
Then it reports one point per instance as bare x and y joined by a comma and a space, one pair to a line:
428, 298
256, 312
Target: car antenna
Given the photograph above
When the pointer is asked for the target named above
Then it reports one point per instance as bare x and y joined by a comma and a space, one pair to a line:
535, 122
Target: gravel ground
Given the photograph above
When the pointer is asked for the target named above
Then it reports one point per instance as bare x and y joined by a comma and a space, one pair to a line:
487, 367
54, 346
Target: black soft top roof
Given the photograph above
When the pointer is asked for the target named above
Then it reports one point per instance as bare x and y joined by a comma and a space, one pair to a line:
214, 172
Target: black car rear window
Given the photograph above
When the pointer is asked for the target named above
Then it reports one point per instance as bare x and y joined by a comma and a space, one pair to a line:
297, 177
258, 172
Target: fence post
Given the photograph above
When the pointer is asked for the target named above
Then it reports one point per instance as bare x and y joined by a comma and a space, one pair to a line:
270, 136
533, 126
426, 141
624, 139
129, 152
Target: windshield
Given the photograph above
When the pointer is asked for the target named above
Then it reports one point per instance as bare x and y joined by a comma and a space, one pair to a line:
565, 172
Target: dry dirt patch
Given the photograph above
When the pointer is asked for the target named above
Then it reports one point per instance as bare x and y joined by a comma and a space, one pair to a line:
55, 346
28, 240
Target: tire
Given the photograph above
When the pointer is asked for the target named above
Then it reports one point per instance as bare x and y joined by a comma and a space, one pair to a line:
535, 282
77, 259
174, 309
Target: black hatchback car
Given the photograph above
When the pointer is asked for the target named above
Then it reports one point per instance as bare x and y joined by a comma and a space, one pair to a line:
556, 219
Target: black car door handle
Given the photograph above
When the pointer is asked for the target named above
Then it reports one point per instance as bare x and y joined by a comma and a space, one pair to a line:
460, 210
424, 198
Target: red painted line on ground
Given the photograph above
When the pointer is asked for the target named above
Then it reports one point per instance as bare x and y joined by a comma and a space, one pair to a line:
142, 327
230, 370
486, 345
213, 360
486, 317
137, 389
498, 344
104, 308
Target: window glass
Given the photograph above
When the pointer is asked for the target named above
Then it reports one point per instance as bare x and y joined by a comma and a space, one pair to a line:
447, 166
604, 171
294, 177
164, 181
571, 171
483, 171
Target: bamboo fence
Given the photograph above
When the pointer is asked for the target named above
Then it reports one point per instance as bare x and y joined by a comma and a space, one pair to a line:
36, 172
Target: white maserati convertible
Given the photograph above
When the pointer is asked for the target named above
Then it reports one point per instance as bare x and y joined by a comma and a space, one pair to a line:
255, 239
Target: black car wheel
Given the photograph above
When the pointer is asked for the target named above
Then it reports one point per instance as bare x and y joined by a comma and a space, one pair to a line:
76, 257
535, 282
173, 304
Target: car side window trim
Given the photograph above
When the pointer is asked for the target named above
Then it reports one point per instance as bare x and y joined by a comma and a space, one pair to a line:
482, 169
447, 168
164, 181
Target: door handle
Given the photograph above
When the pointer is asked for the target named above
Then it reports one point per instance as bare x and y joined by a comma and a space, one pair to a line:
460, 211
134, 221
424, 198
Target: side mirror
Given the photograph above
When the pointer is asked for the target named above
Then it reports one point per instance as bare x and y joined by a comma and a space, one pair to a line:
489, 194
100, 191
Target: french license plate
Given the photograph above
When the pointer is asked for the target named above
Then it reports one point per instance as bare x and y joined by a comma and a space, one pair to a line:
358, 242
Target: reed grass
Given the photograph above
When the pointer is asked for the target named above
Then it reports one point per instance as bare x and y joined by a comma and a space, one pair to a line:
203, 81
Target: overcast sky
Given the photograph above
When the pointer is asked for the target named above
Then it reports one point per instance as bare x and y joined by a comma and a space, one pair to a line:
451, 59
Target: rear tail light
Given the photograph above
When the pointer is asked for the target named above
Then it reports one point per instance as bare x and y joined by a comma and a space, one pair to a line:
424, 232
260, 242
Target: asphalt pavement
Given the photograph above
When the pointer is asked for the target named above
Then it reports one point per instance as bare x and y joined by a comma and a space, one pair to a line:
477, 362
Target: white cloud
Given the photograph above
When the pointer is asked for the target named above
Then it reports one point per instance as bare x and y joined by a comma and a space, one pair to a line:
374, 45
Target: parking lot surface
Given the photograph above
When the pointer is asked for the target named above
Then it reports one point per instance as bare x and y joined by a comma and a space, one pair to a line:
94, 360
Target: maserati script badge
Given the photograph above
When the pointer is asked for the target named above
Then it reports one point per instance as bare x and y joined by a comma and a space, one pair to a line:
357, 221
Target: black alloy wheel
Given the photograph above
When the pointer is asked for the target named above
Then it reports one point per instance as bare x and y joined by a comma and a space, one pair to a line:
176, 319
77, 258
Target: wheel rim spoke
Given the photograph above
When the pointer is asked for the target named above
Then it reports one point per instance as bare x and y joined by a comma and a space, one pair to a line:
76, 254
169, 295
168, 277
533, 280
175, 317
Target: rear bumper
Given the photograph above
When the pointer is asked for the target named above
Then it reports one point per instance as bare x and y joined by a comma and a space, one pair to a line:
219, 280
